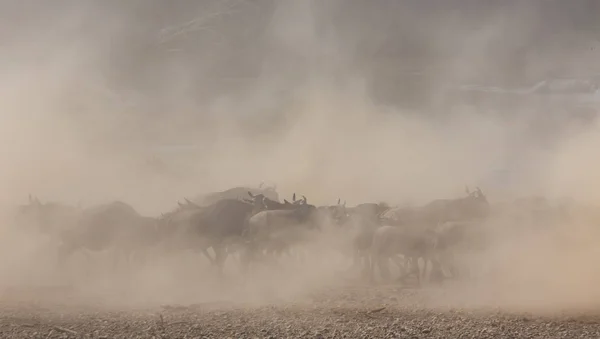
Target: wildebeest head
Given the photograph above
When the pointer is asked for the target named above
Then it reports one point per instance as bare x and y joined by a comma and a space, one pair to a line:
46, 217
262, 202
338, 212
166, 220
305, 212
33, 205
480, 200
371, 212
475, 204
29, 213
299, 209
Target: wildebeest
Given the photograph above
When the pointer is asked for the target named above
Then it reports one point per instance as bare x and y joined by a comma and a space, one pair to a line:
115, 225
420, 230
258, 225
175, 229
219, 226
215, 226
273, 231
409, 241
473, 206
360, 224
333, 214
48, 218
371, 211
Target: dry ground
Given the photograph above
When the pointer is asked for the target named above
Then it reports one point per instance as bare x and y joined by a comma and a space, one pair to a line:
348, 312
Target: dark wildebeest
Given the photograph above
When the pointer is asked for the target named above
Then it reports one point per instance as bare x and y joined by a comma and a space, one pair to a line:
408, 241
116, 226
175, 229
457, 222
219, 226
455, 238
270, 204
420, 228
333, 214
362, 222
48, 218
273, 231
472, 207
238, 193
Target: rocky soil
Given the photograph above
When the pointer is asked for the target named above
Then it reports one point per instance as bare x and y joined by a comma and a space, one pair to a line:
339, 313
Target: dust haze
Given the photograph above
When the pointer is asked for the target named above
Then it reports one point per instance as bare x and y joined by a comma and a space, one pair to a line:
343, 99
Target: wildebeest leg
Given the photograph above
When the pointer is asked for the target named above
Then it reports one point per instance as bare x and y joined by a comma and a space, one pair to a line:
401, 264
426, 261
290, 253
220, 257
370, 262
368, 269
128, 260
271, 255
286, 251
452, 265
204, 251
416, 269
118, 256
382, 263
295, 253
253, 253
413, 265
275, 251
233, 253
65, 250
355, 260
404, 267
436, 275
380, 259
246, 257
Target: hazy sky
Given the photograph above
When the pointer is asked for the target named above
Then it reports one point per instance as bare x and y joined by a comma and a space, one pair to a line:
293, 92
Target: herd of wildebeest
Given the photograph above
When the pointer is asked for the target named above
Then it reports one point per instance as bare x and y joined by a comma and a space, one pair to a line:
256, 228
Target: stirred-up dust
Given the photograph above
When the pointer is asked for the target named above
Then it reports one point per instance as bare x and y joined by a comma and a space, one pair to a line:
148, 103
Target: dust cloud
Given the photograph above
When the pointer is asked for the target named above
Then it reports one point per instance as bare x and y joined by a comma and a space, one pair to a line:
326, 99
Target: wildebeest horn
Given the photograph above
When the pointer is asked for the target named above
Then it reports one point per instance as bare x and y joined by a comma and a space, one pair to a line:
304, 198
180, 204
262, 200
339, 201
250, 194
188, 201
294, 197
286, 202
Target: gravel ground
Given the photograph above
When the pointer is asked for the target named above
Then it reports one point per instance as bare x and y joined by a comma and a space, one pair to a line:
339, 313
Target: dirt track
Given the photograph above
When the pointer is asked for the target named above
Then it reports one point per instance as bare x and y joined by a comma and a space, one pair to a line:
347, 313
